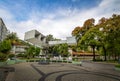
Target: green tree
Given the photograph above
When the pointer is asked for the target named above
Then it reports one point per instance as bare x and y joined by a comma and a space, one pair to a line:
61, 49
3, 57
37, 51
5, 46
13, 37
78, 32
112, 29
49, 37
88, 24
30, 52
91, 39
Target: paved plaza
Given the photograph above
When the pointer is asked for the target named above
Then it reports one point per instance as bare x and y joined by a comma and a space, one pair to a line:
89, 71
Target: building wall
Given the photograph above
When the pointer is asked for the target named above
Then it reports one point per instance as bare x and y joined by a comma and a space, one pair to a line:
3, 30
69, 41
57, 42
36, 38
18, 49
29, 35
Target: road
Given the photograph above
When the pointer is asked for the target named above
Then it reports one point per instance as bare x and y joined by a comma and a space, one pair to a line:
89, 71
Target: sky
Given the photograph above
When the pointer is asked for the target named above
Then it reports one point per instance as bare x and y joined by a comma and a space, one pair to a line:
56, 17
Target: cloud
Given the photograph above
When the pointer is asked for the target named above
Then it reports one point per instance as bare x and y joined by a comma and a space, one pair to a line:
60, 23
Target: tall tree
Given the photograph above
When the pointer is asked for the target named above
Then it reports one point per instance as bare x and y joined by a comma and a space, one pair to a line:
88, 24
91, 39
112, 28
78, 32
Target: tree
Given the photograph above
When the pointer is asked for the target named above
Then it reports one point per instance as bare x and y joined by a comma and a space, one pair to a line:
37, 51
102, 20
12, 36
91, 38
5, 46
78, 33
60, 49
49, 37
2, 57
30, 52
112, 30
88, 24
63, 49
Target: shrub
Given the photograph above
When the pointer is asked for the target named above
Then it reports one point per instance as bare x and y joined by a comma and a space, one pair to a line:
75, 59
11, 56
65, 61
118, 65
22, 55
3, 57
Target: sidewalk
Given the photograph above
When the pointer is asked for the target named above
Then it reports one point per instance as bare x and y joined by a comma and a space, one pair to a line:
4, 71
23, 72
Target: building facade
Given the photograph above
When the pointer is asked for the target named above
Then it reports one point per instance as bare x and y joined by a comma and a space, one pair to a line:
36, 38
18, 49
69, 41
3, 30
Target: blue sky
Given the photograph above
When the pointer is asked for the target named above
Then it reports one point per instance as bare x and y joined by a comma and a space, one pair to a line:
21, 8
57, 17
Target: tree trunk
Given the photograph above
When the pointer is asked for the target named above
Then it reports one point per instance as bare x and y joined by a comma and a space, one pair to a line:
105, 55
93, 53
115, 57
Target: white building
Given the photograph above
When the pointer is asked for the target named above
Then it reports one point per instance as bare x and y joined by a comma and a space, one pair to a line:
36, 38
3, 30
57, 42
18, 49
69, 41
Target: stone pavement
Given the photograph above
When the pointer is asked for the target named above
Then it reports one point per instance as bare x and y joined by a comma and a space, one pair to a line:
64, 72
24, 72
3, 74
4, 71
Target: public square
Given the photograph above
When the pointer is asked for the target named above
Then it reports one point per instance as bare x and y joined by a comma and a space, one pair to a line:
89, 71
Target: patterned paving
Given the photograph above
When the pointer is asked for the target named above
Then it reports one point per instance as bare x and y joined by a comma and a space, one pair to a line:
64, 72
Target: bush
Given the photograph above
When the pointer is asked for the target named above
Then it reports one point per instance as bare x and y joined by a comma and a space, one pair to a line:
22, 55
3, 57
11, 56
75, 59
30, 60
118, 65
59, 61
65, 61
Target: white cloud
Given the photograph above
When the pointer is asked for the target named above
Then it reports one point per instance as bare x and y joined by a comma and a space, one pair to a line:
61, 23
